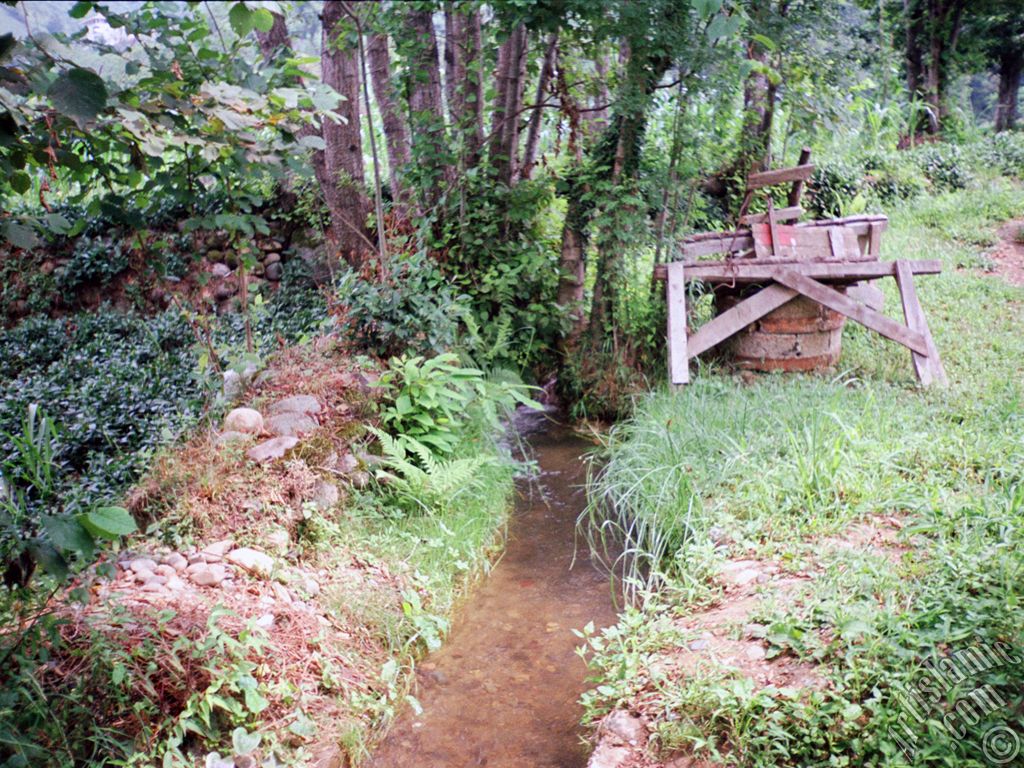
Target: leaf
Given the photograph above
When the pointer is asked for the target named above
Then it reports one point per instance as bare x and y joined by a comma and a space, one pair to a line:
21, 182
67, 533
109, 522
241, 19
312, 142
723, 26
20, 235
262, 19
79, 10
244, 742
79, 94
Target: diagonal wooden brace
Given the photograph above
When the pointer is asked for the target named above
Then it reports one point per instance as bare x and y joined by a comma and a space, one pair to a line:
852, 309
738, 317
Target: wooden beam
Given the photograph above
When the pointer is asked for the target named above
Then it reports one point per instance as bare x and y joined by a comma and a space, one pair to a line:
737, 318
834, 300
782, 215
798, 186
779, 176
678, 362
751, 271
928, 367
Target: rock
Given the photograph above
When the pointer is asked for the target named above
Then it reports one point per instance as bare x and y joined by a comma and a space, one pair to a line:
245, 761
220, 270
233, 385
218, 548
311, 587
176, 560
329, 756
175, 583
347, 464
166, 571
230, 437
155, 579
295, 404
249, 372
244, 420
225, 289
215, 255
325, 495
625, 727
208, 575
607, 756
291, 424
281, 592
271, 258
274, 271
266, 621
360, 480
252, 560
755, 653
142, 564
699, 645
279, 540
272, 449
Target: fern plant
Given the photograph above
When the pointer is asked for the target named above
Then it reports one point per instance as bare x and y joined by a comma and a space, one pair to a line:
419, 479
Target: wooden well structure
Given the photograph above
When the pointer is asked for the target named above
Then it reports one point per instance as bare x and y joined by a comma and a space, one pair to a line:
783, 290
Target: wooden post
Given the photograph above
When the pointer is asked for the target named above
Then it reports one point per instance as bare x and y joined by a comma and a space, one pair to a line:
678, 362
928, 367
797, 190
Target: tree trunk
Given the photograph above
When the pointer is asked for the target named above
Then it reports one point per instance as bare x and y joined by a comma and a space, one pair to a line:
463, 81
1011, 68
758, 113
537, 118
272, 44
396, 134
508, 103
933, 30
597, 117
426, 108
614, 158
344, 189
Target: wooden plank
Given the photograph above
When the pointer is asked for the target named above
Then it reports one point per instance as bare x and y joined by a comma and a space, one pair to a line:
721, 243
835, 242
875, 240
854, 310
779, 176
797, 191
737, 318
678, 362
781, 215
785, 243
928, 367
868, 295
751, 271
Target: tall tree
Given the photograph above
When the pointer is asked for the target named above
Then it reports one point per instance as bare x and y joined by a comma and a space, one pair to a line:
396, 132
425, 106
995, 28
464, 85
344, 189
932, 32
547, 68
508, 104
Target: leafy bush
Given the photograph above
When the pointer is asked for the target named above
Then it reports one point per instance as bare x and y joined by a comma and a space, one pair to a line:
94, 260
432, 401
1004, 152
833, 185
945, 166
413, 308
891, 178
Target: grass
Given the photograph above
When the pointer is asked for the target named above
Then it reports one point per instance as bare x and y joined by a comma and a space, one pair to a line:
772, 469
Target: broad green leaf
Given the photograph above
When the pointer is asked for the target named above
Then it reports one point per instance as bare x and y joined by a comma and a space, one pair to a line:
241, 19
79, 94
244, 742
79, 10
20, 235
262, 19
109, 522
68, 534
21, 182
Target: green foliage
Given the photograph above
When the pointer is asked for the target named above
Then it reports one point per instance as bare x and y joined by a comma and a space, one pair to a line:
891, 178
412, 308
945, 166
1005, 153
834, 184
433, 400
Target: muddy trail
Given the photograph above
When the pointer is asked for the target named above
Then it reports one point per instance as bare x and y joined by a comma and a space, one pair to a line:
503, 691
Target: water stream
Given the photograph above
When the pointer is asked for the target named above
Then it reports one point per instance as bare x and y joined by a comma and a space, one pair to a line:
503, 691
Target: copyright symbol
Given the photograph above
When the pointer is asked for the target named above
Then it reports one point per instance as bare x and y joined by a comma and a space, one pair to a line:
1000, 745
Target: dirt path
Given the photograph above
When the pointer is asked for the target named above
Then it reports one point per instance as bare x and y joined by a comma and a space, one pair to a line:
504, 690
1008, 256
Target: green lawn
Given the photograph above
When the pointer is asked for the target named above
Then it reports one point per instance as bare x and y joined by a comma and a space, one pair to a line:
772, 470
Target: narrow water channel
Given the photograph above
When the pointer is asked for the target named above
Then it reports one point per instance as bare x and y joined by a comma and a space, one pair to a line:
503, 691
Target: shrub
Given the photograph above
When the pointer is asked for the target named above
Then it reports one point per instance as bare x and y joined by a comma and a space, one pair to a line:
412, 308
832, 186
95, 260
891, 178
1004, 152
945, 166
